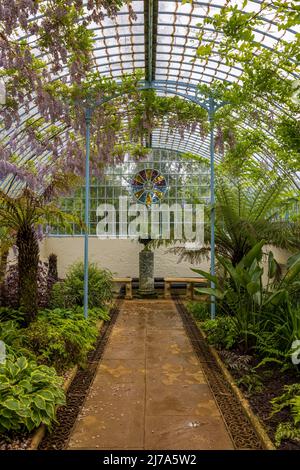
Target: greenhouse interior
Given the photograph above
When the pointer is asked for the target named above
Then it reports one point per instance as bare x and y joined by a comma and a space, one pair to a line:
149, 227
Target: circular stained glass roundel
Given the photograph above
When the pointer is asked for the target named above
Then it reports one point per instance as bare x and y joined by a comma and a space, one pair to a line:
149, 186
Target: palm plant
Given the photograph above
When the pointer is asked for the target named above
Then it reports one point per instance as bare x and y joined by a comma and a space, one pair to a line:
23, 215
244, 216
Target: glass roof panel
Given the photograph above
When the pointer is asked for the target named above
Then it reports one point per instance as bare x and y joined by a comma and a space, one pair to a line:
122, 45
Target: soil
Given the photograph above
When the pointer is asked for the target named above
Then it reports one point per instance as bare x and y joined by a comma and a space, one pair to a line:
273, 380
15, 442
260, 403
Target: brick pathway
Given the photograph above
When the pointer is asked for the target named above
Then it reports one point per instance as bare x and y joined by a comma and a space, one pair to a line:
149, 391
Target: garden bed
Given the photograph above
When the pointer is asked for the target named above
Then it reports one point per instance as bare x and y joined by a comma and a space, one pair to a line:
31, 440
270, 382
21, 441
273, 381
67, 414
254, 386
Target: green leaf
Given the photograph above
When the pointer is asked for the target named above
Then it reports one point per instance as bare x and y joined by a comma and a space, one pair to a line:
39, 402
254, 254
276, 298
22, 362
46, 395
37, 377
11, 404
26, 385
206, 275
208, 291
204, 50
253, 287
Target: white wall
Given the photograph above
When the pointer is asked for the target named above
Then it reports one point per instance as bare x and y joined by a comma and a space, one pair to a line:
120, 256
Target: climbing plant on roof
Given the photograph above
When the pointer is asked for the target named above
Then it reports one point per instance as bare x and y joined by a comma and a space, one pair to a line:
54, 56
262, 100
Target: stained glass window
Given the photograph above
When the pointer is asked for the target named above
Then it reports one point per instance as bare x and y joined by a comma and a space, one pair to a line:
149, 186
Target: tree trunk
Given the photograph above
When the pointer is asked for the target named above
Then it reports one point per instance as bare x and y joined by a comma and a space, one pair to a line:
28, 262
3, 265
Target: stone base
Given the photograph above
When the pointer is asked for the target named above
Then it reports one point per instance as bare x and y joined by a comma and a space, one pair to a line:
141, 294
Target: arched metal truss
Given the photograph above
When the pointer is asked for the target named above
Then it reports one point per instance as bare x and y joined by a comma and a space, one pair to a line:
162, 41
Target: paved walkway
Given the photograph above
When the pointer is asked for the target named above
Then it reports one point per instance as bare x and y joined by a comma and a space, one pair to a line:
149, 391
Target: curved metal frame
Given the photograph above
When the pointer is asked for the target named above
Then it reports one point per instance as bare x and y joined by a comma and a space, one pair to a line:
206, 102
155, 19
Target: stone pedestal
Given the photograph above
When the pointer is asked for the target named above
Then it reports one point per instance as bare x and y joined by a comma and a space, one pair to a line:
146, 270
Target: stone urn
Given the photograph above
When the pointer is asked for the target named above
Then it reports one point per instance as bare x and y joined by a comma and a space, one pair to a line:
146, 270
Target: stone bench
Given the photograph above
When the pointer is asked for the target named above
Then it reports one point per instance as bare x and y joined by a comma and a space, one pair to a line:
189, 281
128, 285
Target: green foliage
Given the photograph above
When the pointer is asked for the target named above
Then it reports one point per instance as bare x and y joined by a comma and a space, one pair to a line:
265, 84
260, 315
245, 214
7, 313
286, 431
241, 294
58, 298
61, 338
199, 310
70, 292
221, 332
58, 337
28, 395
251, 382
289, 399
13, 336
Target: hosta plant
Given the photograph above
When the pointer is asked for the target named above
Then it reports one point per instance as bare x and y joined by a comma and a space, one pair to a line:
29, 395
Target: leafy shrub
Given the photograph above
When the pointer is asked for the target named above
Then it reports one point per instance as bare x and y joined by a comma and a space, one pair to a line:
289, 399
70, 292
13, 337
280, 328
237, 362
58, 297
61, 338
221, 332
28, 395
8, 313
199, 310
257, 309
286, 431
251, 382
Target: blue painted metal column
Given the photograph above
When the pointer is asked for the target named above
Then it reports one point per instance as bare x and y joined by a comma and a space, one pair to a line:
211, 113
88, 117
